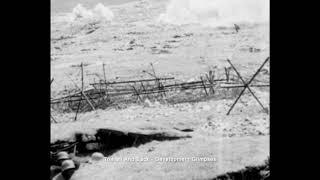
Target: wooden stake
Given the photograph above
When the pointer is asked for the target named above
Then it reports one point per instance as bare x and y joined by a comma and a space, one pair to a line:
82, 92
51, 110
82, 84
75, 118
105, 79
246, 84
54, 120
137, 93
104, 73
87, 99
227, 73
144, 89
204, 87
210, 80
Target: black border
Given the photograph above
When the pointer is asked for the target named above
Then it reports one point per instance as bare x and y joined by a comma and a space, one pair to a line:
26, 88
292, 85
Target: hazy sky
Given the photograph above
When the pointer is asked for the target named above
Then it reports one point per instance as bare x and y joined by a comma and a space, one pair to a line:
68, 5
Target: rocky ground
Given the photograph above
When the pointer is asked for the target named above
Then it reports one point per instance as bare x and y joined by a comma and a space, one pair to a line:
127, 46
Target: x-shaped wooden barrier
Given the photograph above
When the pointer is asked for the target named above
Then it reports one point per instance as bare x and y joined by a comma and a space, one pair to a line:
246, 84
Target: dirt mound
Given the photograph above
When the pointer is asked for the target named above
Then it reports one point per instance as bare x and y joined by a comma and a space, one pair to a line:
250, 172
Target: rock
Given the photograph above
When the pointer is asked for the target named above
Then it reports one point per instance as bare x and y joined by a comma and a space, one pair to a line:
132, 41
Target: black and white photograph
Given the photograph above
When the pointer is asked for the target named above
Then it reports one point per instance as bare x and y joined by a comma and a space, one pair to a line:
159, 89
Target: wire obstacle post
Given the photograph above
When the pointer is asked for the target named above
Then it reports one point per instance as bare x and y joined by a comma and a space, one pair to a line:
246, 84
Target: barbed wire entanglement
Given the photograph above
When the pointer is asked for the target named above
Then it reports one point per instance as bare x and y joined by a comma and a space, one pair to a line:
217, 83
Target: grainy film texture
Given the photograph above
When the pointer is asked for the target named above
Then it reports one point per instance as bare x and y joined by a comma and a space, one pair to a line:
160, 89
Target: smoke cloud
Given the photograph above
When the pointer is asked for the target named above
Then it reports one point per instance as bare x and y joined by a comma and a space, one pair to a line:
215, 12
98, 13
